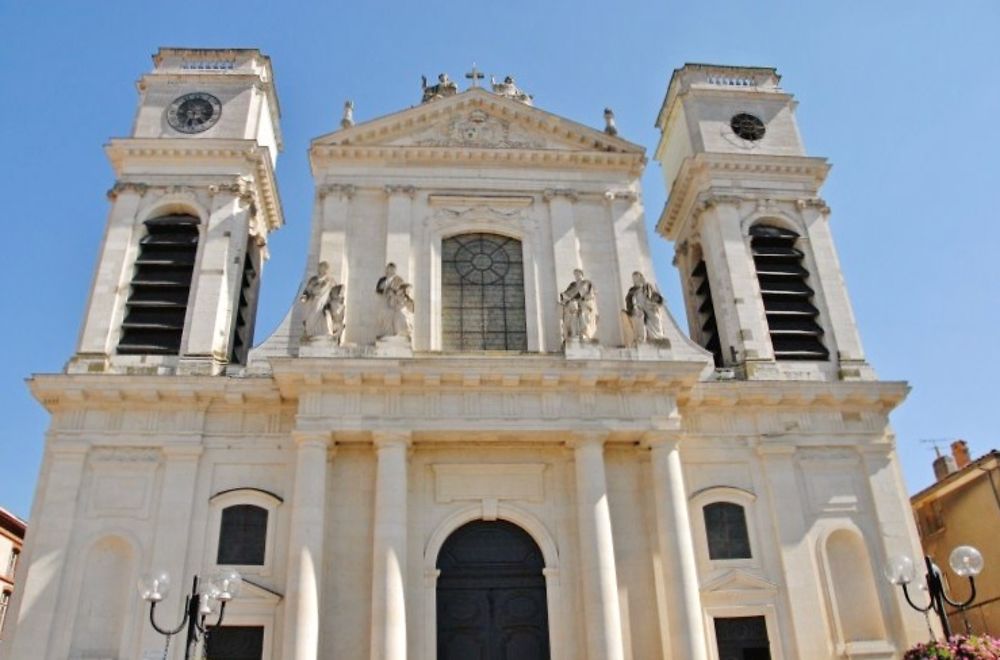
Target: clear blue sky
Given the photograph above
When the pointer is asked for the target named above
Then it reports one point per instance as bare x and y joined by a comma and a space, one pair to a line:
902, 97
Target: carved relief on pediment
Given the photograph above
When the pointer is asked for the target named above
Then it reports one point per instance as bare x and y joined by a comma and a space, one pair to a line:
475, 129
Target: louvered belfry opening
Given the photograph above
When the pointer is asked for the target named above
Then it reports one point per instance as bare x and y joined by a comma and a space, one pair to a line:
706, 311
246, 307
157, 303
791, 315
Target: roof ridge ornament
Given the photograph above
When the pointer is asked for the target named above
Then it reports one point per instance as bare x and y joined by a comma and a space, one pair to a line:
445, 87
509, 89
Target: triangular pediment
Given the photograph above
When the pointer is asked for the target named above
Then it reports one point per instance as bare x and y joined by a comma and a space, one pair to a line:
254, 590
477, 119
738, 580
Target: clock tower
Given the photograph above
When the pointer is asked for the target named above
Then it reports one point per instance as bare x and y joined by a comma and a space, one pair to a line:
762, 284
191, 210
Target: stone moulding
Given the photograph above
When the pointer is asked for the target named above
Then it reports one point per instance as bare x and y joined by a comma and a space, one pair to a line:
121, 150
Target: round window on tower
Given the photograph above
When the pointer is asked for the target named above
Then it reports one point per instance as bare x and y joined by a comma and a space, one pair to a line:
747, 126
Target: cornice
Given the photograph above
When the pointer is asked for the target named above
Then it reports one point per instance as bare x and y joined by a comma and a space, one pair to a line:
130, 150
324, 155
880, 395
695, 176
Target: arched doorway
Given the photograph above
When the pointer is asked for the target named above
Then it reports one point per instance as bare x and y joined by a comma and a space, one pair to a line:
491, 601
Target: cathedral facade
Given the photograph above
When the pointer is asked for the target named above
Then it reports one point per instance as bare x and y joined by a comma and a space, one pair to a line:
478, 433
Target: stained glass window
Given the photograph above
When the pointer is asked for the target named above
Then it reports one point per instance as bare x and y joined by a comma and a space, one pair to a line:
482, 293
242, 535
726, 527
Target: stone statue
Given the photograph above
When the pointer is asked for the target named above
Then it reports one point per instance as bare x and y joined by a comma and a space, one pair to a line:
348, 119
322, 303
395, 318
579, 309
642, 317
445, 87
610, 127
509, 89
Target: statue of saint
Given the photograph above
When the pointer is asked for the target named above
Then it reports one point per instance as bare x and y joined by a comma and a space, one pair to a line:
445, 87
510, 89
395, 317
643, 321
579, 309
322, 302
348, 119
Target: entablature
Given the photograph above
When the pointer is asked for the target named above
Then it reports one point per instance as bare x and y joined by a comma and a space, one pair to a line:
708, 178
151, 154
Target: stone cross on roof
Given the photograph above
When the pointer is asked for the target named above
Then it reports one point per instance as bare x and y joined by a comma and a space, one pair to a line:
475, 75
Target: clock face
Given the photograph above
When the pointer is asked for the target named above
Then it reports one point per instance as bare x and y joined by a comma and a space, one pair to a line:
747, 127
194, 113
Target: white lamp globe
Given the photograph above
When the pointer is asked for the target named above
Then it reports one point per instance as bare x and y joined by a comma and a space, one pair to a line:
899, 570
228, 583
154, 587
966, 561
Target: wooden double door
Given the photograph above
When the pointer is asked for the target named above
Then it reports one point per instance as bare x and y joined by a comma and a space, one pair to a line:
491, 602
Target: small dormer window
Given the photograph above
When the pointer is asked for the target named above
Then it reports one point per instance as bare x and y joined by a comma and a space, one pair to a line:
792, 319
161, 285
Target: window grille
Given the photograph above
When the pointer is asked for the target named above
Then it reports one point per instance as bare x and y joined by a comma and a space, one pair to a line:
246, 308
482, 293
157, 303
242, 535
791, 315
726, 529
4, 604
706, 312
742, 638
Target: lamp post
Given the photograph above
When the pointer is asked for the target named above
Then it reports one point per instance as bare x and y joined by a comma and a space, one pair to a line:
965, 561
206, 598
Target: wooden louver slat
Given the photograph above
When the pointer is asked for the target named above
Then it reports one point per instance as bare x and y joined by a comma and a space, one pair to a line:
157, 302
791, 315
706, 310
246, 306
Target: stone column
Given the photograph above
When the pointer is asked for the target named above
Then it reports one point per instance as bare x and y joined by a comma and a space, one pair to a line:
399, 228
173, 530
388, 632
597, 551
686, 635
330, 236
305, 547
798, 560
565, 244
46, 557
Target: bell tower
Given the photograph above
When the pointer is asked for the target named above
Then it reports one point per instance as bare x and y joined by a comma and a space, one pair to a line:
192, 206
762, 284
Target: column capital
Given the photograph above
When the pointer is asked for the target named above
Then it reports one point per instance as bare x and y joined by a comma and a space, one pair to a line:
394, 189
662, 438
65, 448
317, 439
342, 190
584, 439
391, 438
552, 193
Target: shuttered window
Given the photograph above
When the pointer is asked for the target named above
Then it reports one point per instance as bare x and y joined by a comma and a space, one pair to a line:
726, 528
788, 299
242, 535
706, 312
246, 307
158, 299
482, 294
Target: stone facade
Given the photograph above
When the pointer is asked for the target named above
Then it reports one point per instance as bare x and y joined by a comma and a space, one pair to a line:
368, 455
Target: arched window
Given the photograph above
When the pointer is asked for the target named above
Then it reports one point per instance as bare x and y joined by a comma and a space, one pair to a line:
791, 315
706, 310
482, 294
157, 302
242, 535
726, 529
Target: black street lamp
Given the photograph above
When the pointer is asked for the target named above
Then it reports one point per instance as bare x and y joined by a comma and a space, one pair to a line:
210, 598
964, 560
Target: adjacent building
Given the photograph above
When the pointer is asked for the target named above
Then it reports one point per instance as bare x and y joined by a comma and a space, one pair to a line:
478, 432
962, 507
11, 539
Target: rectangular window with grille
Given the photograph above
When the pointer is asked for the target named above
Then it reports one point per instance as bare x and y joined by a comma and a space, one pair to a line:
235, 643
